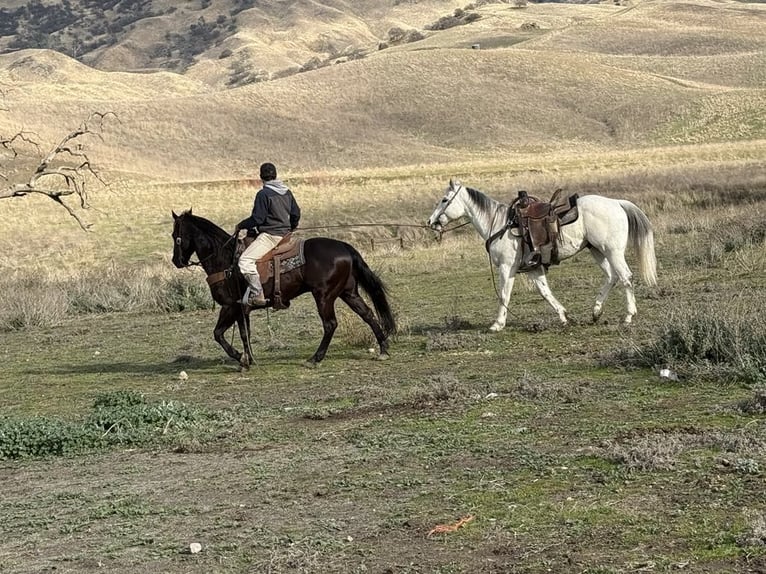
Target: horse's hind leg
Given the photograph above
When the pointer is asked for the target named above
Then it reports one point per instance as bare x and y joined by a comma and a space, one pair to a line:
226, 318
615, 270
326, 308
358, 306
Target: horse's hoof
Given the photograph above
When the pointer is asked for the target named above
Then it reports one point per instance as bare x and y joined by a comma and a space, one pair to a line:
311, 364
496, 327
384, 357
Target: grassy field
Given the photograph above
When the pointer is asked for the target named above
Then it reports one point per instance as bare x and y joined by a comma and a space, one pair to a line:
564, 445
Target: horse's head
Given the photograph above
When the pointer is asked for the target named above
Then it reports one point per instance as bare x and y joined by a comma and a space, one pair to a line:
449, 208
183, 239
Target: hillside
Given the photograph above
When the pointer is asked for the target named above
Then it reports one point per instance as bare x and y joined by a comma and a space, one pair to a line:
224, 43
547, 77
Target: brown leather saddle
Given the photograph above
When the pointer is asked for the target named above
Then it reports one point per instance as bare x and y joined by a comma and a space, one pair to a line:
285, 256
539, 224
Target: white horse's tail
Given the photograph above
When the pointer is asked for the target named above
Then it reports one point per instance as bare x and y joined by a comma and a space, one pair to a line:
641, 235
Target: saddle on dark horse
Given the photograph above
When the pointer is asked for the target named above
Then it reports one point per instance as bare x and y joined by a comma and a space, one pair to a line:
539, 224
285, 256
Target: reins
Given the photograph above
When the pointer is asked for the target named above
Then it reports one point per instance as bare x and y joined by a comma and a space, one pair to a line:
352, 225
214, 254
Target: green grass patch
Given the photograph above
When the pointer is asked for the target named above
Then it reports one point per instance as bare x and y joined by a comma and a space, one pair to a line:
120, 418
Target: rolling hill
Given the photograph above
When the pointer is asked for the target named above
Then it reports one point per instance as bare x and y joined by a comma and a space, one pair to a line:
544, 78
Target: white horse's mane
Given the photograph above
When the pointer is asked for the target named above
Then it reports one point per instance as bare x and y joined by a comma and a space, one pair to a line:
488, 209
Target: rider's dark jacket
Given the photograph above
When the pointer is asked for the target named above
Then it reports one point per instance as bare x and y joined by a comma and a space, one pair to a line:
275, 210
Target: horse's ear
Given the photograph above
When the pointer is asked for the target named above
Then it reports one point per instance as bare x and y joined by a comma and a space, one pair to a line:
190, 211
174, 215
451, 184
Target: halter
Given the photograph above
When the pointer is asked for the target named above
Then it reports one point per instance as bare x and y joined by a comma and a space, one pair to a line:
213, 254
450, 198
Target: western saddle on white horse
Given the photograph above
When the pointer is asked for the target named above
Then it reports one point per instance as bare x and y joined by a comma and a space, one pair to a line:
539, 223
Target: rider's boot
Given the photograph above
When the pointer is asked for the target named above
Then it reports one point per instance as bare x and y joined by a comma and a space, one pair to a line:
254, 293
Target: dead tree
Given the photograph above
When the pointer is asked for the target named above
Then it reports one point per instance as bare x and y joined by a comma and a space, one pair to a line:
64, 170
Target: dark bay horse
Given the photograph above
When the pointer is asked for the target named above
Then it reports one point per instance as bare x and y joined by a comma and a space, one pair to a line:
333, 269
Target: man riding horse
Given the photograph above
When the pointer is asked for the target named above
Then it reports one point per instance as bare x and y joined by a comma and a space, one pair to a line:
275, 214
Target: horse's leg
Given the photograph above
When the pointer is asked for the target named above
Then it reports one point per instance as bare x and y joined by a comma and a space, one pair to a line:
609, 282
623, 274
507, 277
243, 322
226, 318
358, 306
326, 308
540, 281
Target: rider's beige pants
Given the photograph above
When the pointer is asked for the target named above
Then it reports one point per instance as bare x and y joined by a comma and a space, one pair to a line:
257, 249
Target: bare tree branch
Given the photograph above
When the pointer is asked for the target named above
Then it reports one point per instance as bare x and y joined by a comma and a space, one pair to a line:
63, 171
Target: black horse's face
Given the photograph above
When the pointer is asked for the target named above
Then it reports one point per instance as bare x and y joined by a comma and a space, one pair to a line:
183, 244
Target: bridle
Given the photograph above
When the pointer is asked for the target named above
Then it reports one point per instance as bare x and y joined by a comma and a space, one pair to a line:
190, 263
449, 199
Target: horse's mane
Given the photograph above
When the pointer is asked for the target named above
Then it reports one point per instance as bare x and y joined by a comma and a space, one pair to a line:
486, 205
205, 225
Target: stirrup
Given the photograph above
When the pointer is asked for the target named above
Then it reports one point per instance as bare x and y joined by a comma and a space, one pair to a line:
254, 298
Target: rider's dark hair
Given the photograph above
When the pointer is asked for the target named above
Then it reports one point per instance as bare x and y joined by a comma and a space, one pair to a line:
268, 172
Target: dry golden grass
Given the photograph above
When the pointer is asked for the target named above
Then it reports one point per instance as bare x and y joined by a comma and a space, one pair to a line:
594, 98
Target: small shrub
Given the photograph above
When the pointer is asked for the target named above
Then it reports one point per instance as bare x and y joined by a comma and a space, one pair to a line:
29, 303
122, 417
458, 18
126, 417
755, 530
728, 242
720, 341
438, 388
40, 437
182, 294
755, 405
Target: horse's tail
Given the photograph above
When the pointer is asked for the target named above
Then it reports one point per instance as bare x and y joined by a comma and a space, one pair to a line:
374, 287
641, 236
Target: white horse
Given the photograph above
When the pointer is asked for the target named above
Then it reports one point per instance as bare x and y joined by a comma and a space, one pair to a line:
605, 227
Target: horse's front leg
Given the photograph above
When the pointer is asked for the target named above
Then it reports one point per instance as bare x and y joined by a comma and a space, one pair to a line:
507, 277
540, 280
243, 322
226, 318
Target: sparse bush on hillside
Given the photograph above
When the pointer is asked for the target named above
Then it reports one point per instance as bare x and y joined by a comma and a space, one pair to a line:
458, 18
313, 64
721, 341
240, 5
241, 72
397, 35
